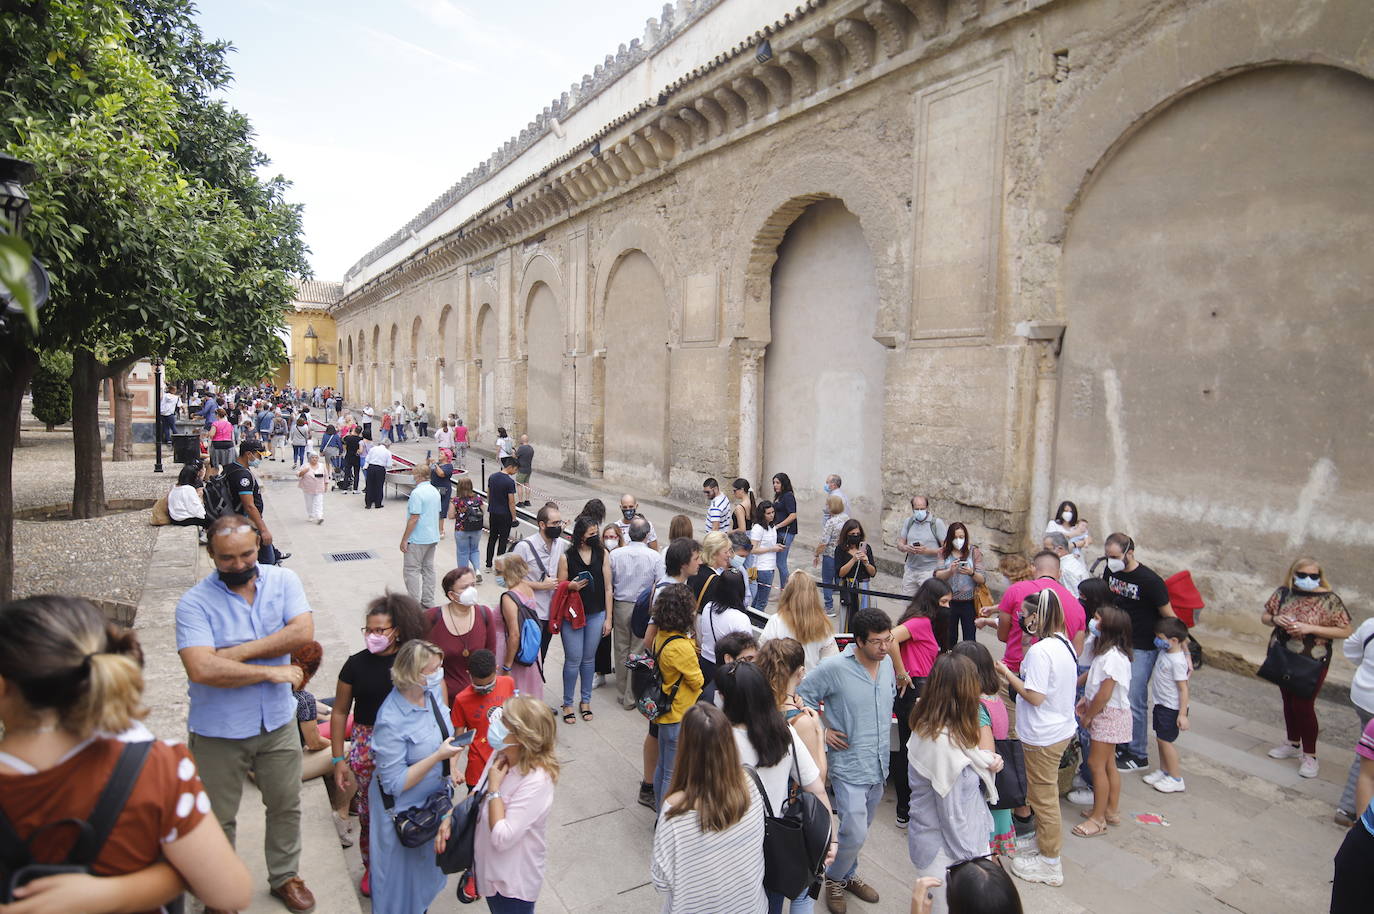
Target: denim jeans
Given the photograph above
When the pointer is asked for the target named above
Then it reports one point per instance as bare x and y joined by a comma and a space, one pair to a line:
500, 904
785, 541
765, 587
297, 454
579, 656
1142, 665
469, 549
667, 754
828, 577
802, 904
855, 805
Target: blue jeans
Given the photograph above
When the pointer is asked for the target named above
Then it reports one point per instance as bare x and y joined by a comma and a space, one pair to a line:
500, 904
765, 586
802, 904
855, 805
1142, 665
469, 546
828, 577
785, 541
579, 656
298, 454
667, 754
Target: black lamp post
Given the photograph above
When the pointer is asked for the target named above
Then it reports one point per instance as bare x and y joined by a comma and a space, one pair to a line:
14, 207
157, 413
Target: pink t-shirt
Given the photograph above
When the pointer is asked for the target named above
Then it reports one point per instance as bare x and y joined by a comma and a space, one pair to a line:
919, 651
997, 711
222, 431
1075, 619
460, 434
511, 857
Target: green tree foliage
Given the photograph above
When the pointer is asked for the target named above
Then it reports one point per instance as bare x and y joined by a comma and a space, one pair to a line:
52, 389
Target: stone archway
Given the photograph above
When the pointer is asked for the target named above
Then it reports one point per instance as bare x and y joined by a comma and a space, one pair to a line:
1236, 219
539, 371
443, 368
488, 343
637, 376
416, 384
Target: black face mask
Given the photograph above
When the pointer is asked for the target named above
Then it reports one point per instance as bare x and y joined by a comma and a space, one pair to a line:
238, 578
629, 513
553, 532
855, 538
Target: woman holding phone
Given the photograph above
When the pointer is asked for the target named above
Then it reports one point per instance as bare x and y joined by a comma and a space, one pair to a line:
587, 568
961, 567
853, 566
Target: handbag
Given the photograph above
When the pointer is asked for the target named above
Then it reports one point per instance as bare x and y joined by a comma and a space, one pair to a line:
794, 842
458, 854
1011, 780
419, 824
1291, 670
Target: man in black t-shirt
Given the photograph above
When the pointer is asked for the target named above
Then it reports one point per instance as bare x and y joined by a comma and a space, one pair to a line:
1142, 594
246, 497
500, 509
352, 461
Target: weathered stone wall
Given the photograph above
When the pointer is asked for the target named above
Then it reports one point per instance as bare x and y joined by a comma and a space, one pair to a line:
1114, 172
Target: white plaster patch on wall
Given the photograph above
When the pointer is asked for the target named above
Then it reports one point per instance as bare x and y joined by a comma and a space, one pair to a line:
1321, 482
1116, 497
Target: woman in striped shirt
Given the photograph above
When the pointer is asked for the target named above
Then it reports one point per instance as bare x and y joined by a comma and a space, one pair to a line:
708, 848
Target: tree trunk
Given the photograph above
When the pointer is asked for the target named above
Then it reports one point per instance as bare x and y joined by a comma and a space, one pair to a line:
50, 427
123, 408
88, 492
17, 364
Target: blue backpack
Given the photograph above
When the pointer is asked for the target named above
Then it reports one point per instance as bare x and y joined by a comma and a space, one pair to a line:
531, 632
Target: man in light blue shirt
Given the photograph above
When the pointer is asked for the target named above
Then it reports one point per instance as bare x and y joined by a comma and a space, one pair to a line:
634, 569
857, 689
236, 630
421, 537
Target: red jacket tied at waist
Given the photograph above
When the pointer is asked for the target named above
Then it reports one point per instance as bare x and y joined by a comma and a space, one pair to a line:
566, 605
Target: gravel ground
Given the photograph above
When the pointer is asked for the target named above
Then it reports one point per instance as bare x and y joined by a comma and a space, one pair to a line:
105, 557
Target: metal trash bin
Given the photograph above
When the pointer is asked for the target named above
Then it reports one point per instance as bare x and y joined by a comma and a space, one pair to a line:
186, 448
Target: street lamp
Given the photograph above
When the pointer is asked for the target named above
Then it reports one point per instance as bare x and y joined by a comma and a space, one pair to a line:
157, 413
14, 208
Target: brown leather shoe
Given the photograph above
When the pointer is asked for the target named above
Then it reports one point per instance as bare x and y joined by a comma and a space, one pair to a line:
295, 895
219, 911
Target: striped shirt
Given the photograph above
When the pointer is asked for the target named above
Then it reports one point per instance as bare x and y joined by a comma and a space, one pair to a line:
717, 514
719, 872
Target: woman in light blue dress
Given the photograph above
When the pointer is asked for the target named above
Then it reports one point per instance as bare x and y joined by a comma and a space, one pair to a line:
409, 750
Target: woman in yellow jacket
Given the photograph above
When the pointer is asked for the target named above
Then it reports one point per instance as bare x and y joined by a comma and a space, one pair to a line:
675, 611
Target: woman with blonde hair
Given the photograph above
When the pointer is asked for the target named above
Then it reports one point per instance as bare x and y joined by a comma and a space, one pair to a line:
835, 518
1308, 617
411, 746
801, 616
783, 663
680, 527
74, 690
511, 846
716, 551
512, 575
708, 847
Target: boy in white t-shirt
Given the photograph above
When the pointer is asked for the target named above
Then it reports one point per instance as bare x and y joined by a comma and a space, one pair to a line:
1169, 681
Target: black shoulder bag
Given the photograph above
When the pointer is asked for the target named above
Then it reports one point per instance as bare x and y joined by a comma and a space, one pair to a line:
795, 842
419, 824
1289, 666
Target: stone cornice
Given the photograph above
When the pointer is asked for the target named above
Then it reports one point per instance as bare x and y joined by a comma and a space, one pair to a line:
814, 60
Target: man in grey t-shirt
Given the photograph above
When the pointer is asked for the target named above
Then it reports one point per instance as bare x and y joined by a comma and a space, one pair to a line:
524, 459
919, 540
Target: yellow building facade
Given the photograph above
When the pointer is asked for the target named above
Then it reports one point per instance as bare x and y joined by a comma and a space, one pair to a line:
311, 338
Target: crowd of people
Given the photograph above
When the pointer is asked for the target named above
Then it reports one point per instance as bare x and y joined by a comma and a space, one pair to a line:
756, 708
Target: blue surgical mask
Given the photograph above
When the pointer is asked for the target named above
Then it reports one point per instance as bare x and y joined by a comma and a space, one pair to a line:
434, 680
1306, 583
920, 514
827, 488
253, 463
1092, 626
1161, 643
500, 581
497, 733
737, 562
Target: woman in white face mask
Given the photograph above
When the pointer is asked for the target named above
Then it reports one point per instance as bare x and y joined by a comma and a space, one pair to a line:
1067, 521
961, 567
460, 626
1308, 617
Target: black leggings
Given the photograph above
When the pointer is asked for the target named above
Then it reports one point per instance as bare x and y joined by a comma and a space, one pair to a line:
351, 469
498, 535
961, 614
897, 768
1354, 883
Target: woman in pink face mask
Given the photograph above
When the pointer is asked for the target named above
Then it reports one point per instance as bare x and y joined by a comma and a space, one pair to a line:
364, 682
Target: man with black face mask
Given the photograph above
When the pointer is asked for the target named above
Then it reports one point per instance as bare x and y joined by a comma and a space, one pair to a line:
629, 510
236, 630
541, 553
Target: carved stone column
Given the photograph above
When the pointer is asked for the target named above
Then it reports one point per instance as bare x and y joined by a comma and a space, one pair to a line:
750, 409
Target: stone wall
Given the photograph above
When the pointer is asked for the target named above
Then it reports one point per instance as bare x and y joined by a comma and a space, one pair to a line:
1012, 221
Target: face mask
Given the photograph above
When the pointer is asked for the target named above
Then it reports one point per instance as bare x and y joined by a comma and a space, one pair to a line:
254, 462
238, 578
553, 532
1161, 643
377, 643
856, 538
718, 700
611, 542
958, 542
500, 581
737, 562
827, 488
1067, 516
469, 596
1115, 565
1305, 583
1092, 626
920, 514
484, 689
629, 513
435, 679
497, 733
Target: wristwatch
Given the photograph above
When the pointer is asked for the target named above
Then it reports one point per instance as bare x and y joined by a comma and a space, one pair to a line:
493, 795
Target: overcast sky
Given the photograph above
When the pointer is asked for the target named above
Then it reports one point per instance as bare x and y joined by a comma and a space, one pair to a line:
374, 109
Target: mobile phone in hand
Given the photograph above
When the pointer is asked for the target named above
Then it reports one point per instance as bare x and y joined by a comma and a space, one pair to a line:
582, 576
464, 738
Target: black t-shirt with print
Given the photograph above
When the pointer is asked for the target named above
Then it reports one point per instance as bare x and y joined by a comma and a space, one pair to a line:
1140, 593
241, 480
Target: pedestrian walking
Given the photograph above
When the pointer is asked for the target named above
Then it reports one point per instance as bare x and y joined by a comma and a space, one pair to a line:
500, 509
420, 539
221, 439
313, 481
167, 415
505, 444
524, 459
375, 465
586, 567
300, 438
245, 495
441, 477
352, 460
467, 525
785, 503
635, 568
961, 567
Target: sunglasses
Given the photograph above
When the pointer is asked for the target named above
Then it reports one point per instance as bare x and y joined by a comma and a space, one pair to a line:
1308, 577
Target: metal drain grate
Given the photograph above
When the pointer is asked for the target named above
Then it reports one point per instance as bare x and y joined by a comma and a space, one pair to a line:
349, 556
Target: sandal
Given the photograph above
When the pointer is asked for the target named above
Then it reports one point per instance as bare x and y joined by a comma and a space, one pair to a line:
1090, 829
1111, 817
586, 711
568, 716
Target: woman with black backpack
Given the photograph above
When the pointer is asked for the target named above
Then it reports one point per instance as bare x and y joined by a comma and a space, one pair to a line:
467, 525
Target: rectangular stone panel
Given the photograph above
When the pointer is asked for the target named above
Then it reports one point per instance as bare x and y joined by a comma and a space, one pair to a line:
700, 308
958, 193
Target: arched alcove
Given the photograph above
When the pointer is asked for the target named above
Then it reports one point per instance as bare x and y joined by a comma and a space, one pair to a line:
637, 374
487, 351
543, 351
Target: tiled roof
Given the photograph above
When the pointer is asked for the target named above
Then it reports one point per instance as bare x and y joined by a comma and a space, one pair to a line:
317, 292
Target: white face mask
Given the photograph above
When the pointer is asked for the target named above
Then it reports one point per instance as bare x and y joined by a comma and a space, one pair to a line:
1306, 583
435, 679
1116, 564
1067, 516
611, 542
958, 542
469, 596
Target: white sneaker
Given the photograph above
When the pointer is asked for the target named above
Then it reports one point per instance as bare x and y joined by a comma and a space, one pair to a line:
1286, 750
343, 827
1308, 768
1154, 776
1082, 796
1037, 869
1168, 784
598, 680
1079, 782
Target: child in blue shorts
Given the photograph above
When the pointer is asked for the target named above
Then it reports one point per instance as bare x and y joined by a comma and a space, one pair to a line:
1169, 682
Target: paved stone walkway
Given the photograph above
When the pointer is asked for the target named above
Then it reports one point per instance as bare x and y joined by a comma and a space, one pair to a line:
1249, 834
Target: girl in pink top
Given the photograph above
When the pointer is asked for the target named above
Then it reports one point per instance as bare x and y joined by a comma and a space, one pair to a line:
511, 846
913, 649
